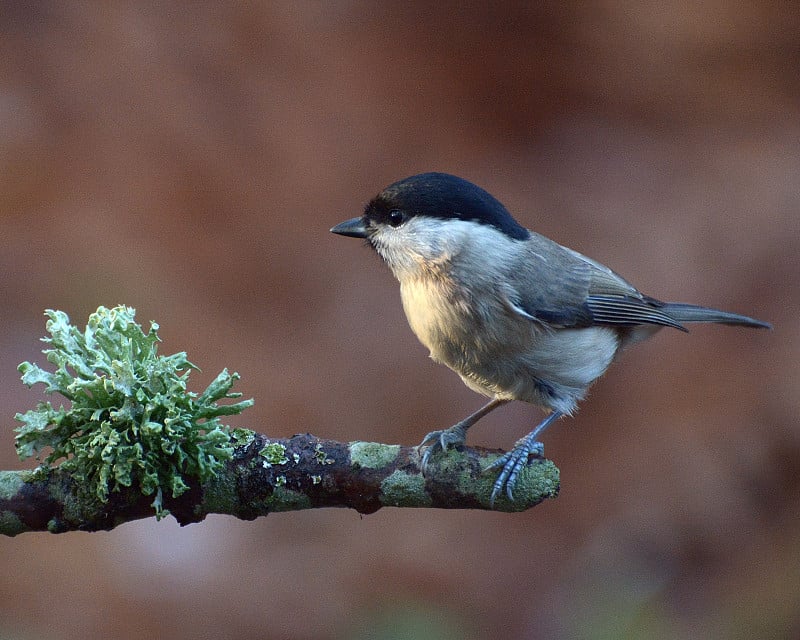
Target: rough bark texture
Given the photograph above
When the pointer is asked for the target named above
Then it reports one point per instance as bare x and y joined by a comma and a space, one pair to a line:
268, 475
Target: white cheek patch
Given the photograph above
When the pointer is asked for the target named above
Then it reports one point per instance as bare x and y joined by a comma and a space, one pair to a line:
417, 244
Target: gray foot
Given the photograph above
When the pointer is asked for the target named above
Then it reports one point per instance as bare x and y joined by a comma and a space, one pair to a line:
511, 463
441, 440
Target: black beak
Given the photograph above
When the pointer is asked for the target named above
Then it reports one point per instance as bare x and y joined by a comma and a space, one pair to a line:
353, 228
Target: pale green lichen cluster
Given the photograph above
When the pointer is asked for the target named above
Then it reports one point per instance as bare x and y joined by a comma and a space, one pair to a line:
10, 484
402, 489
285, 499
242, 437
273, 453
537, 481
131, 418
10, 524
373, 455
320, 456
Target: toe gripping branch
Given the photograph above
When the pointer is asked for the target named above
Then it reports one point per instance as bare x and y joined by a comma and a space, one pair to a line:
513, 462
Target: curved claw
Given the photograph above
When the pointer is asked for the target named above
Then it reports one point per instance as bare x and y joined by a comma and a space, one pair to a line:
425, 458
440, 441
510, 465
513, 461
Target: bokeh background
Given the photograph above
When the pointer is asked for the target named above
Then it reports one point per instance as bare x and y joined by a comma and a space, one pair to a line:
188, 160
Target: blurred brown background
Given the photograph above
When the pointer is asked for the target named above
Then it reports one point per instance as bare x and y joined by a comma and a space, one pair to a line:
188, 161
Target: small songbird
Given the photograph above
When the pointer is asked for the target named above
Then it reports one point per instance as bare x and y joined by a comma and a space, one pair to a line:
515, 314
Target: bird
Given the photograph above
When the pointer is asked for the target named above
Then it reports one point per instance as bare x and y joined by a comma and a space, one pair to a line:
515, 314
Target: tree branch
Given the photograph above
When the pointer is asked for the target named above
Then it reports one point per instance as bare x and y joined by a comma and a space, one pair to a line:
266, 475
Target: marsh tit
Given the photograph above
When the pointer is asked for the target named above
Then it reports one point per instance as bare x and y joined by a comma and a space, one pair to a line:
516, 315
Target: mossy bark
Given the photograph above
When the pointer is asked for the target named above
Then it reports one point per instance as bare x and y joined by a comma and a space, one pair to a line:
310, 473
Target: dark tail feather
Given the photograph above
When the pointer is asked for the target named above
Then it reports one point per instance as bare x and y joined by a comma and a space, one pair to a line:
683, 312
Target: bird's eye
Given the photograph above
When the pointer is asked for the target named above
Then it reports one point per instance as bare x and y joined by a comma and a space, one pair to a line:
396, 218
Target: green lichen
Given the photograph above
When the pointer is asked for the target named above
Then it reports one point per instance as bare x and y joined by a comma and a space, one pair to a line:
537, 481
373, 455
131, 419
320, 456
220, 495
10, 524
454, 462
402, 489
283, 499
39, 474
242, 437
77, 500
10, 484
280, 481
273, 453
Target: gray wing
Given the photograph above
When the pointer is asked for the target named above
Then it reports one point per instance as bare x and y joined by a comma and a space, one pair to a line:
560, 287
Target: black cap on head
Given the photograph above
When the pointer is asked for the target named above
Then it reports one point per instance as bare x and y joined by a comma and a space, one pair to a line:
444, 196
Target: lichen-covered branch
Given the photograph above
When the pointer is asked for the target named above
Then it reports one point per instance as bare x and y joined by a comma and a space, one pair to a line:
268, 475
135, 442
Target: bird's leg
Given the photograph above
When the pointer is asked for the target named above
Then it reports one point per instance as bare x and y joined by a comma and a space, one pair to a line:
455, 435
512, 462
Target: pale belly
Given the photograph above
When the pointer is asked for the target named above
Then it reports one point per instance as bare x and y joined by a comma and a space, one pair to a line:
505, 355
